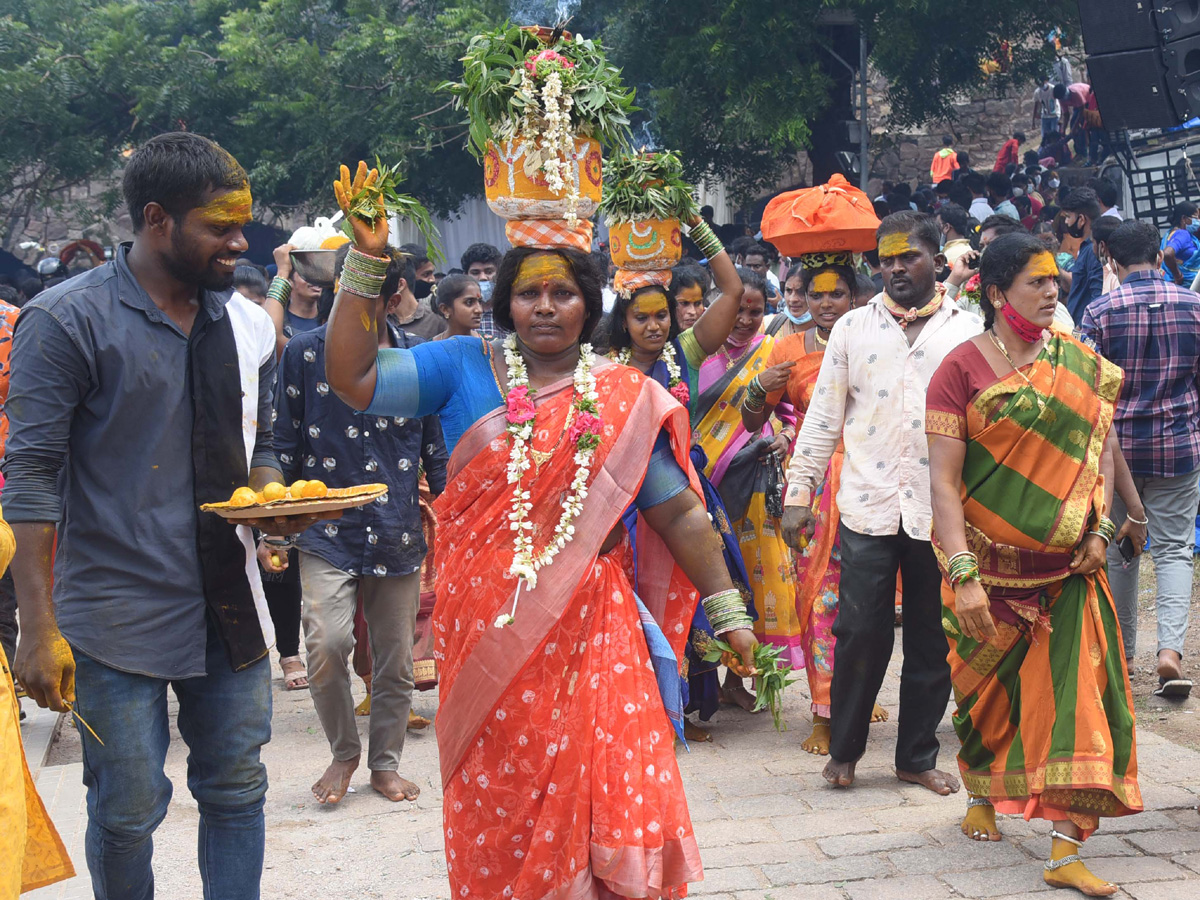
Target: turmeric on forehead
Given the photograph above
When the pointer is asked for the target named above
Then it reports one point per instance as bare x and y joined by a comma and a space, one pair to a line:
823, 283
897, 244
541, 268
1042, 265
650, 303
229, 208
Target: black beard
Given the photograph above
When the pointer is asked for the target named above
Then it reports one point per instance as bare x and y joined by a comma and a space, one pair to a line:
185, 270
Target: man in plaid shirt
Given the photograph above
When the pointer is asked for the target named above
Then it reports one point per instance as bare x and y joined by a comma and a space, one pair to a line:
481, 261
1151, 329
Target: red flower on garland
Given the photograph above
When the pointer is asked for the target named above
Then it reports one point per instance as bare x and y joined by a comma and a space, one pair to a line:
584, 432
520, 406
681, 393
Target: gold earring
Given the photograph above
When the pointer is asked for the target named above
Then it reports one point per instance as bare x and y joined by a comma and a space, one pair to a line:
997, 303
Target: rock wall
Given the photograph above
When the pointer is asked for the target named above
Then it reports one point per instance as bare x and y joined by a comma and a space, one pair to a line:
980, 127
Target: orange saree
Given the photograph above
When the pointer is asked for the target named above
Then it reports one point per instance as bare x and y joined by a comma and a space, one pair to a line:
558, 771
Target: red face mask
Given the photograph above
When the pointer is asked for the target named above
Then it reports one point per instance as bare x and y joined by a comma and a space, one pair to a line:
1024, 329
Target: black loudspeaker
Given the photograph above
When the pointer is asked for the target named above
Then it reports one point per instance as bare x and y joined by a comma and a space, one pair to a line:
1144, 60
1112, 26
1177, 19
1132, 91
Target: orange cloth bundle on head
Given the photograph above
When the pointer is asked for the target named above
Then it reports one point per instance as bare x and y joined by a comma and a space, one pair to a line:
627, 281
835, 216
549, 234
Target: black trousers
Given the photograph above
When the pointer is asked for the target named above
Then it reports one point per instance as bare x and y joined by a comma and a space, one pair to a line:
865, 632
283, 601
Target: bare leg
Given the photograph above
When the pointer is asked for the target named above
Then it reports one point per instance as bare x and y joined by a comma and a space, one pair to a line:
934, 779
331, 787
392, 786
1076, 874
817, 743
694, 732
734, 693
979, 824
839, 774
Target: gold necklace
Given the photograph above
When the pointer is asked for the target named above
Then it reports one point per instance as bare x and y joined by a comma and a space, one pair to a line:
820, 341
1000, 346
541, 457
730, 361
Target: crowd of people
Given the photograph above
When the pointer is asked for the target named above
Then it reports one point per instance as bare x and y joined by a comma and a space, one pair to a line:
971, 430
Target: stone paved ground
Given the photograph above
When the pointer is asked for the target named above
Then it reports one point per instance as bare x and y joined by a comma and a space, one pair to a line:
769, 827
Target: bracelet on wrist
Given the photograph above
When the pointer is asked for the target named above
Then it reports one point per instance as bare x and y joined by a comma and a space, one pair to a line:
1106, 529
1143, 521
280, 290
962, 567
726, 611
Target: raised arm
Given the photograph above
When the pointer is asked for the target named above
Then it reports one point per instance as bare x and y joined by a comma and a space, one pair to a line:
351, 341
714, 325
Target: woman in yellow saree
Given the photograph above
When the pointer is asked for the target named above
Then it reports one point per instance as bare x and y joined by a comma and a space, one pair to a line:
1018, 422
746, 469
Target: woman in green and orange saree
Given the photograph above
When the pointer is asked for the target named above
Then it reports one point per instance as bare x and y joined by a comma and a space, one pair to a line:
559, 686
1021, 474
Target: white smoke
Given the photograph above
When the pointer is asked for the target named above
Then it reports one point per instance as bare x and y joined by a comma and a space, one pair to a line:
542, 12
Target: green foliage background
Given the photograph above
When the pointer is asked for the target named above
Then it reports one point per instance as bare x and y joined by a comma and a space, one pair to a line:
294, 87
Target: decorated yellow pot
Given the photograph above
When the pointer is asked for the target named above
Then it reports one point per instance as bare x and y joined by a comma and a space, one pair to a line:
645, 244
513, 193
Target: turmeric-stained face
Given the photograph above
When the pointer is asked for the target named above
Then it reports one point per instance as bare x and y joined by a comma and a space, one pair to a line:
1034, 292
648, 320
909, 268
547, 305
206, 243
828, 297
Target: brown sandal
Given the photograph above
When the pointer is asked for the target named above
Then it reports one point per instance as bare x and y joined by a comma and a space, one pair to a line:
295, 675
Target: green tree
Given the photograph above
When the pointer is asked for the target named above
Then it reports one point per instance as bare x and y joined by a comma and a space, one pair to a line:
291, 87
739, 86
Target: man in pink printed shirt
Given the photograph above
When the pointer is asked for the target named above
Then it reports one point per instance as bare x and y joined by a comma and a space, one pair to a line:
871, 395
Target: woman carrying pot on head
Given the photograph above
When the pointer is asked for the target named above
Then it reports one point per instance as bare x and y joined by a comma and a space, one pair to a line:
1021, 471
828, 283
645, 333
549, 706
458, 300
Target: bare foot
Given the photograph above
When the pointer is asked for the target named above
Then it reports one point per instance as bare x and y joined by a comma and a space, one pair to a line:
879, 714
694, 732
979, 824
817, 743
332, 786
364, 708
1169, 665
839, 774
392, 786
734, 693
1075, 875
934, 779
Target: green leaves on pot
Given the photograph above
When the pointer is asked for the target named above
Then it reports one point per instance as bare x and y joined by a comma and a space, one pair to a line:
492, 92
646, 185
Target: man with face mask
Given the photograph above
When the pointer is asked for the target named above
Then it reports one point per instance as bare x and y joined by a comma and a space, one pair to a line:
415, 315
1082, 207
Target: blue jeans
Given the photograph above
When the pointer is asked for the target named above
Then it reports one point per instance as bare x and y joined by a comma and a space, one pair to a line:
224, 718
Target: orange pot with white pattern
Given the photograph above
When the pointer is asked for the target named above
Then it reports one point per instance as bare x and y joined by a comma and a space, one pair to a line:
646, 244
514, 192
